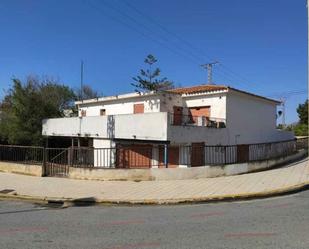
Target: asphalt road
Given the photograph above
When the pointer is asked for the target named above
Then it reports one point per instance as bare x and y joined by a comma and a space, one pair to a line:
281, 222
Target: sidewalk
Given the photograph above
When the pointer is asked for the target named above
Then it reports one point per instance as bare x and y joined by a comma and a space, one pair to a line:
260, 184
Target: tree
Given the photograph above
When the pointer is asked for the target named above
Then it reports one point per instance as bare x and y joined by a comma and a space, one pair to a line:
27, 104
302, 111
86, 93
148, 79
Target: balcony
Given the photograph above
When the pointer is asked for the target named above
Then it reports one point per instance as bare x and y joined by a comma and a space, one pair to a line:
189, 120
144, 126
155, 126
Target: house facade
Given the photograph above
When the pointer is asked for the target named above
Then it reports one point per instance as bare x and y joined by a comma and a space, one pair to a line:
157, 127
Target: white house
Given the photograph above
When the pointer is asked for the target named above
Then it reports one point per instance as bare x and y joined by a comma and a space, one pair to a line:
171, 120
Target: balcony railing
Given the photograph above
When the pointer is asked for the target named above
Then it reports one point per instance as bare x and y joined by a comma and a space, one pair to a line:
190, 120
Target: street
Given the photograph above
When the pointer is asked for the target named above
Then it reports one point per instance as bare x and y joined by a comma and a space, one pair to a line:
281, 222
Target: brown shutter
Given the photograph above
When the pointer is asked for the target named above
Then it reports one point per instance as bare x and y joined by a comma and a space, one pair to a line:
138, 108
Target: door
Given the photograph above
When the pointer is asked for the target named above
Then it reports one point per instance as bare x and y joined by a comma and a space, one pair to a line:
177, 118
242, 153
57, 162
198, 154
173, 157
138, 108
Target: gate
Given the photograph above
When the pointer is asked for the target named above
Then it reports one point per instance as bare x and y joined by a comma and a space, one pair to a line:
242, 153
57, 161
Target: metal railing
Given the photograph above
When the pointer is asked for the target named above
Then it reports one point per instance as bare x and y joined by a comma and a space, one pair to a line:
88, 157
302, 143
265, 151
147, 156
22, 154
190, 120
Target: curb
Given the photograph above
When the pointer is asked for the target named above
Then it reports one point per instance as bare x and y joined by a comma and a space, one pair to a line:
222, 198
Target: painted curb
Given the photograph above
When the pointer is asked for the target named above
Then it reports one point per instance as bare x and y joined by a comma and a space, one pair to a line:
219, 198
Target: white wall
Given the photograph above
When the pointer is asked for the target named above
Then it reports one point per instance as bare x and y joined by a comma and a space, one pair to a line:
143, 126
90, 126
196, 134
169, 100
252, 120
248, 120
217, 103
151, 126
122, 106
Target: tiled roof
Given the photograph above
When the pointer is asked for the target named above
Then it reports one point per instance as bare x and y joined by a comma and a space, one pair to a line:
198, 89
213, 88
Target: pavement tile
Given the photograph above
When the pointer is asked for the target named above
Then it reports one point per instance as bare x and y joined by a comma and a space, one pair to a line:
259, 182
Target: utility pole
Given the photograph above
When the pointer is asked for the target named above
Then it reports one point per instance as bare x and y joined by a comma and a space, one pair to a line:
81, 79
208, 66
308, 40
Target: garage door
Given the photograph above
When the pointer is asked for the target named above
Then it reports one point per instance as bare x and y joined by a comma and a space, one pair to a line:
133, 156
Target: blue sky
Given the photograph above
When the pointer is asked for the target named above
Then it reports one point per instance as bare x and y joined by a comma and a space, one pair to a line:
261, 44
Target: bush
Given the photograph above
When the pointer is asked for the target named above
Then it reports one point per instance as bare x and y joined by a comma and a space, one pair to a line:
301, 130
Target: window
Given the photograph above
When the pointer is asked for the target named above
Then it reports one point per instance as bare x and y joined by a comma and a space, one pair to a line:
102, 112
138, 108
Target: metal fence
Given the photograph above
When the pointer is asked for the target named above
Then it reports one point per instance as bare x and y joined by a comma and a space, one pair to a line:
21, 154
146, 156
266, 151
302, 143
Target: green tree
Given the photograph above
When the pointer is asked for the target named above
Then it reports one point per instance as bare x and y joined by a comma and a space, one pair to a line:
148, 78
302, 111
301, 128
27, 104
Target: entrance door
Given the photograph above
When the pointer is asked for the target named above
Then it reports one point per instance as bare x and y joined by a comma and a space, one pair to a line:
173, 157
198, 154
177, 115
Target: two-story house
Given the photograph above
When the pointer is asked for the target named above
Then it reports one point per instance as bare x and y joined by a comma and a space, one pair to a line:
170, 121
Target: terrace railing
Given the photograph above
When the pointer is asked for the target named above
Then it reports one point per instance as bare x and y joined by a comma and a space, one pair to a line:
190, 120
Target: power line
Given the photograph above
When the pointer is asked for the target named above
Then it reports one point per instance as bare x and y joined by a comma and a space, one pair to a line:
193, 58
223, 71
196, 58
288, 93
155, 40
164, 28
190, 45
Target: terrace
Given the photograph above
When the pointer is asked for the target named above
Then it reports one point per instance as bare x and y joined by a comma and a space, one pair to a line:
143, 126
